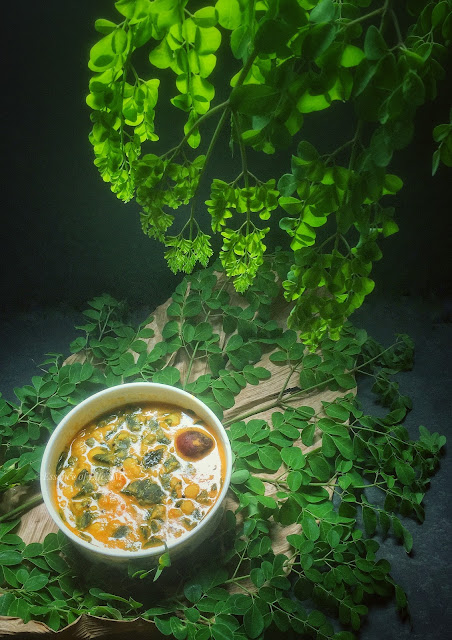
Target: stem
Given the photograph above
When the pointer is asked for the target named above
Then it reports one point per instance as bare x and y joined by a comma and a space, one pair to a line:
212, 111
378, 433
344, 240
212, 144
350, 169
239, 563
246, 68
201, 119
397, 28
354, 145
296, 394
244, 168
235, 579
325, 242
266, 407
242, 148
334, 153
22, 507
190, 364
367, 16
286, 381
101, 332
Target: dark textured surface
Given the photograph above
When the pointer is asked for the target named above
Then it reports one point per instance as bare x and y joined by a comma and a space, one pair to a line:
425, 574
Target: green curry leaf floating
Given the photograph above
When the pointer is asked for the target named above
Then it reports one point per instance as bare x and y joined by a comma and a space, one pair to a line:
239, 587
275, 66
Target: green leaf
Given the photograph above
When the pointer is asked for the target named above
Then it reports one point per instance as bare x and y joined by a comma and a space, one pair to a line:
224, 397
293, 457
289, 512
102, 55
405, 473
287, 184
36, 582
203, 332
77, 345
193, 591
370, 520
220, 632
435, 161
313, 102
374, 45
104, 26
168, 375
207, 40
56, 562
336, 411
310, 527
240, 40
294, 480
413, 88
345, 447
401, 598
333, 538
119, 41
328, 446
162, 56
9, 558
192, 308
254, 99
319, 38
240, 476
307, 435
270, 457
325, 11
256, 485
320, 467
407, 540
178, 628
351, 56
32, 550
229, 14
311, 360
253, 622
234, 343
170, 329
205, 17
188, 332
345, 380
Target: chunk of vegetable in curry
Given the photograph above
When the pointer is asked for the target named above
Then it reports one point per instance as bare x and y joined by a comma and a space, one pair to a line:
139, 477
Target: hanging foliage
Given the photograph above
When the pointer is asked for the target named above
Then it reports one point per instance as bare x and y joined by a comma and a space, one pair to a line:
291, 59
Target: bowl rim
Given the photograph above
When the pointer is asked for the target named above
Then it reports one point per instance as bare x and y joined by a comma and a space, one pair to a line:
46, 473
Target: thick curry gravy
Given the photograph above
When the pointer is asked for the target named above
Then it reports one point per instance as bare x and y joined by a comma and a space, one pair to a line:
139, 477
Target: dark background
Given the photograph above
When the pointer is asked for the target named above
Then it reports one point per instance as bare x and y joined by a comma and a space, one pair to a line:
66, 238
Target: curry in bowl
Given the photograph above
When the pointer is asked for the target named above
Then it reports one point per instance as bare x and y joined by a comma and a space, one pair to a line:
139, 477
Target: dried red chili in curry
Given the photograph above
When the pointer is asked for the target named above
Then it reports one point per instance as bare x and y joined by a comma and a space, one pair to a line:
139, 477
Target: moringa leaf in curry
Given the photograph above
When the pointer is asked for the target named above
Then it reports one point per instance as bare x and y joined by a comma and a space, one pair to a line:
144, 491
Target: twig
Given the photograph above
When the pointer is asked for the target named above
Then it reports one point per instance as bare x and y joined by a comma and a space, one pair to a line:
22, 507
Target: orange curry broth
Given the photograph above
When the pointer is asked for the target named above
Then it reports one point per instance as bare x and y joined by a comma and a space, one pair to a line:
171, 493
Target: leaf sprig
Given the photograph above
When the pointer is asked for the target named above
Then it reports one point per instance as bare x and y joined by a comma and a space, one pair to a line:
281, 63
356, 475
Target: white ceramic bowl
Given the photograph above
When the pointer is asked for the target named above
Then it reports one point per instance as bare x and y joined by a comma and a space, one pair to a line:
108, 400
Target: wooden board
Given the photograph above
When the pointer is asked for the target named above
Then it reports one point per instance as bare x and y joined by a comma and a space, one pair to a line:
36, 524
